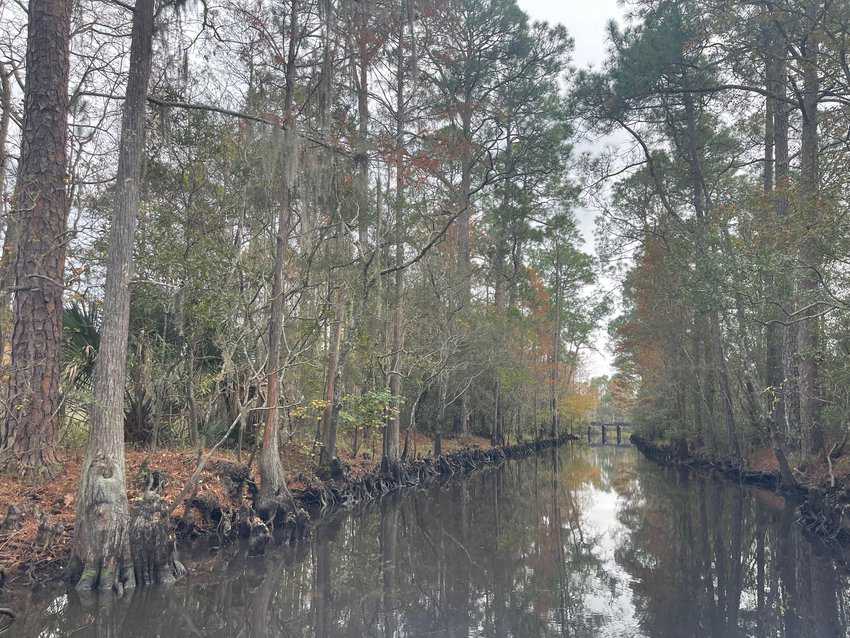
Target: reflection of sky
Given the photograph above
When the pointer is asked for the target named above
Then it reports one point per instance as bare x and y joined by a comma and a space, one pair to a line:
600, 509
587, 23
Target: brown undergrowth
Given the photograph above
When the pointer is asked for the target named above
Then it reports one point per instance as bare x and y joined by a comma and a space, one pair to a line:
35, 538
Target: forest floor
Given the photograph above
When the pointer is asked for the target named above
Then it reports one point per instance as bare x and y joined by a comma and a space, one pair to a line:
822, 492
35, 541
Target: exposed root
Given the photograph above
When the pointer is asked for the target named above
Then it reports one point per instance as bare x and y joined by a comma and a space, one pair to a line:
114, 573
153, 545
260, 536
821, 513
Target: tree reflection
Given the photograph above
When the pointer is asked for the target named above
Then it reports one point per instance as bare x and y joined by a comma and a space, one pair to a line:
583, 542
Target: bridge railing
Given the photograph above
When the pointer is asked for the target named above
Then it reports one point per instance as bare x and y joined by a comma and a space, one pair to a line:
605, 426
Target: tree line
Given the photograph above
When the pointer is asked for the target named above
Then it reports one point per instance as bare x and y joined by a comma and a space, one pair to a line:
257, 223
733, 198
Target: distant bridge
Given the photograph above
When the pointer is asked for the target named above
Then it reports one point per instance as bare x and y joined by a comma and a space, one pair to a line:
606, 428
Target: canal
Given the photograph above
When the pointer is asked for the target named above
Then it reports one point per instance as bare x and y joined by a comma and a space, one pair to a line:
582, 541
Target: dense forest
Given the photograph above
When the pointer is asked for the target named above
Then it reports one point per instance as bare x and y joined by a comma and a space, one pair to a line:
323, 226
312, 224
732, 207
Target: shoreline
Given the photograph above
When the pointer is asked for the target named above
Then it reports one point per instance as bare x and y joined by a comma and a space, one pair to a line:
224, 512
820, 508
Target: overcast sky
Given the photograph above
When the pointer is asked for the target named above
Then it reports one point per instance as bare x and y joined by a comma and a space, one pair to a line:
587, 22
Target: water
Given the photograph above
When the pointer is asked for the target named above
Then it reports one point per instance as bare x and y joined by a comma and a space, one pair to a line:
579, 542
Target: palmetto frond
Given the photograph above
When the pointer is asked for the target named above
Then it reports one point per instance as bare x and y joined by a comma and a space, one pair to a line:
81, 343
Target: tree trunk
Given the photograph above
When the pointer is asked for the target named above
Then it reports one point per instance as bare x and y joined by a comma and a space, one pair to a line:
464, 251
5, 118
494, 433
5, 218
101, 555
808, 337
273, 494
331, 397
556, 346
10, 238
776, 282
32, 422
393, 427
464, 265
361, 158
500, 250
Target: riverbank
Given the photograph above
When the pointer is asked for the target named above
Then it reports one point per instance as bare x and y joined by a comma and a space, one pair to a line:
822, 491
37, 520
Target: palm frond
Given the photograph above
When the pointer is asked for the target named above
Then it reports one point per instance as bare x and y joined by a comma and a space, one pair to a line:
80, 323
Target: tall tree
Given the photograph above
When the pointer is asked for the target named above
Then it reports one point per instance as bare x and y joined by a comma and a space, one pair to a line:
405, 53
102, 557
274, 494
34, 403
808, 337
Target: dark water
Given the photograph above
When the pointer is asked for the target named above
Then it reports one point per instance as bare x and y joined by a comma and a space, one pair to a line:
580, 542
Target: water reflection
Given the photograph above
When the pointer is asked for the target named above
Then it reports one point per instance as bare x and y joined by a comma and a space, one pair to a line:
582, 542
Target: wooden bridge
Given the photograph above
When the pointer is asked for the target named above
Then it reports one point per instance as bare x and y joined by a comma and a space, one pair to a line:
606, 428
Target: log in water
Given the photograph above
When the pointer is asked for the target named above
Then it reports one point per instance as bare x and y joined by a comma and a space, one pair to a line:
573, 542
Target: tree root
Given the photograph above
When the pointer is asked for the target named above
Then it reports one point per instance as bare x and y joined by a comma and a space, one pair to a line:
112, 574
142, 554
284, 517
153, 544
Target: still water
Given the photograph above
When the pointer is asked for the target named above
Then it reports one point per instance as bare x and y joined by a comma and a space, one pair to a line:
583, 541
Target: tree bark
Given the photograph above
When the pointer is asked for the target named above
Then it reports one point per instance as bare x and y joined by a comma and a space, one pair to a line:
5, 118
361, 158
32, 420
108, 553
808, 334
393, 427
556, 347
7, 260
273, 495
329, 420
775, 186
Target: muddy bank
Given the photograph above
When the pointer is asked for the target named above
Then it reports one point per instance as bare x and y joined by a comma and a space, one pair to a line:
36, 523
821, 506
339, 488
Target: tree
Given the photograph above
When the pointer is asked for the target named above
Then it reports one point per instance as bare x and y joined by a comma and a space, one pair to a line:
34, 407
103, 557
274, 494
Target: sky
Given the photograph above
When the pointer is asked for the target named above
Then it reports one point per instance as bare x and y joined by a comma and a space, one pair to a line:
587, 22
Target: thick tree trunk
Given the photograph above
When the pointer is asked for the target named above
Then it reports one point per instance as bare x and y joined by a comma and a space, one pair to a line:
32, 422
500, 252
495, 438
714, 335
273, 493
103, 535
464, 249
